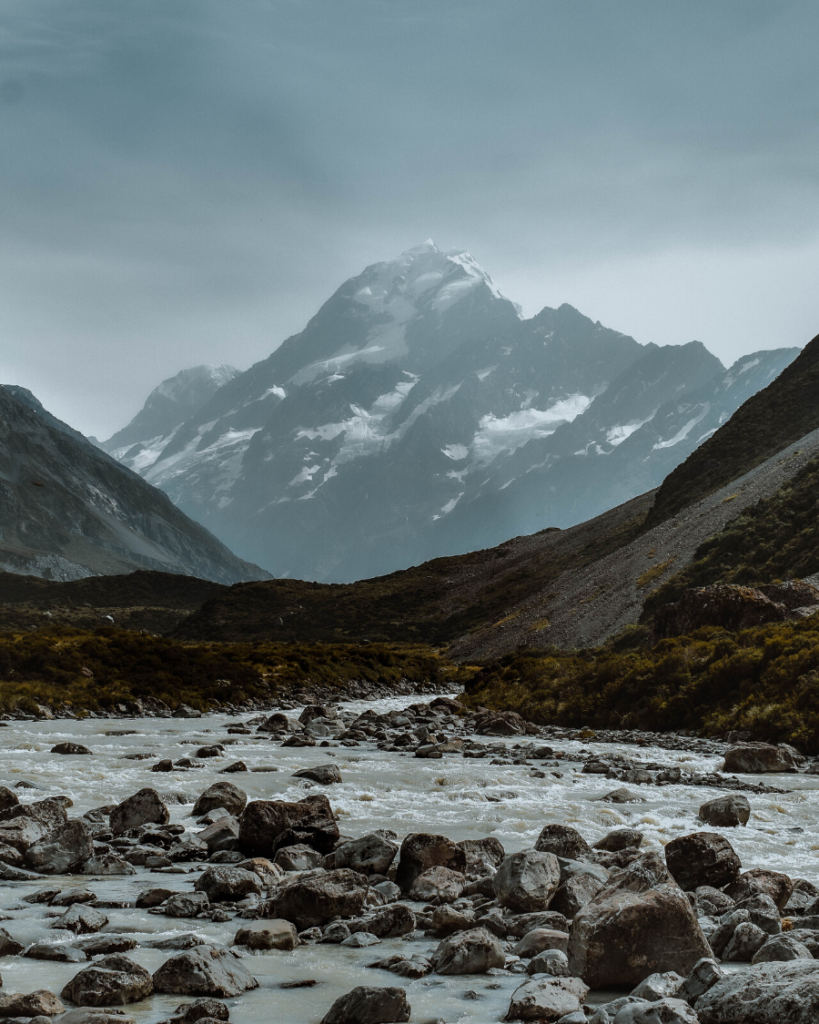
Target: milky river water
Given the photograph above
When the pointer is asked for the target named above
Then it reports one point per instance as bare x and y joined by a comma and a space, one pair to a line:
461, 798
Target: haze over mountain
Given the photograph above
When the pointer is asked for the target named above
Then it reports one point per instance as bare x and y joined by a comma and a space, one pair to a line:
417, 414
68, 510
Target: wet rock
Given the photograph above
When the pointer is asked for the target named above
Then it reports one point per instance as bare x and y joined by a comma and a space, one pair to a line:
726, 811
223, 834
499, 723
471, 952
8, 855
311, 900
704, 974
563, 841
575, 893
190, 1013
547, 999
712, 902
212, 750
102, 945
619, 839
89, 1015
41, 1003
324, 774
221, 794
185, 941
62, 851
8, 798
422, 850
413, 967
186, 711
623, 796
81, 920
223, 883
623, 936
190, 848
58, 953
186, 904
267, 871
143, 808
8, 945
527, 881
658, 986
370, 854
744, 943
446, 920
755, 758
437, 884
662, 1011
360, 940
644, 872
112, 981
335, 933
521, 924
107, 863
165, 765
153, 897
263, 822
781, 947
702, 858
540, 939
388, 922
764, 994
368, 1005
268, 935
759, 880
483, 856
231, 769
203, 971
762, 911
298, 858
70, 748
72, 896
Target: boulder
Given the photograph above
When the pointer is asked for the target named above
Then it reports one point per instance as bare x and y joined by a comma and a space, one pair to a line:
575, 893
726, 811
264, 822
499, 723
662, 1011
755, 758
769, 993
112, 981
702, 858
62, 851
744, 943
313, 899
300, 857
780, 948
540, 939
722, 604
527, 881
8, 798
323, 774
21, 833
143, 808
623, 936
759, 880
103, 944
704, 974
190, 1013
268, 935
227, 883
81, 920
107, 863
58, 953
550, 961
222, 834
389, 922
41, 1003
619, 839
369, 855
563, 841
221, 794
483, 856
369, 1005
437, 885
69, 748
8, 945
471, 952
186, 904
422, 850
203, 971
547, 999
658, 986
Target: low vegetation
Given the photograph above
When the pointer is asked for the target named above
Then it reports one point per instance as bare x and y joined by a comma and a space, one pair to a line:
107, 667
764, 680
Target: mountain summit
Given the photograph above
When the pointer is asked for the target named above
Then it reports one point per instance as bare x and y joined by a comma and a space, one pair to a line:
418, 415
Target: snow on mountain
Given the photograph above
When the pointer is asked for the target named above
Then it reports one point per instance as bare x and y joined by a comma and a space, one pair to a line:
418, 415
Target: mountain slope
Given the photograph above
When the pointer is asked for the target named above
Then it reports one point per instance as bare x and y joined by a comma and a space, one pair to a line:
68, 510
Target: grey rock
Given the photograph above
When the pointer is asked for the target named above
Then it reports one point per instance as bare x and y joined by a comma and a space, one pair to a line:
57, 953
227, 883
658, 986
483, 856
547, 999
422, 850
527, 881
726, 811
744, 943
62, 851
112, 981
312, 900
769, 993
780, 948
756, 758
323, 774
620, 839
69, 748
550, 961
268, 935
40, 1003
369, 1005
143, 808
81, 920
203, 971
471, 952
562, 841
221, 794
186, 904
298, 857
662, 1011
539, 939
437, 884
370, 854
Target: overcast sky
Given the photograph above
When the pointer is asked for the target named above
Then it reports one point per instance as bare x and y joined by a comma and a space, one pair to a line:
185, 181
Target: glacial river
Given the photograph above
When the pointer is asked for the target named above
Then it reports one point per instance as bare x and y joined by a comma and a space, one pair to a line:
461, 798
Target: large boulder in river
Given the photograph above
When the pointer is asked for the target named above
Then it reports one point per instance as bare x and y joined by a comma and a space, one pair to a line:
369, 855
41, 1003
527, 881
562, 841
268, 935
422, 850
702, 858
61, 851
314, 898
623, 936
726, 811
770, 993
755, 758
204, 971
143, 808
263, 823
547, 999
224, 882
368, 1005
112, 981
221, 794
470, 952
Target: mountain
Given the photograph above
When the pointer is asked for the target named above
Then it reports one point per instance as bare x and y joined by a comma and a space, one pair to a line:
68, 510
417, 415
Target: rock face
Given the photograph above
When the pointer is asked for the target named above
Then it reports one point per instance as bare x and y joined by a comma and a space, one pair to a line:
62, 851
527, 881
203, 971
470, 952
726, 811
263, 822
702, 858
764, 994
227, 883
422, 850
370, 855
313, 899
368, 1005
547, 999
755, 758
143, 808
221, 794
622, 937
113, 981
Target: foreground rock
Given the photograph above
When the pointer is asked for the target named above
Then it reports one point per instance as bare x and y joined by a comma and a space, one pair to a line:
311, 900
221, 794
366, 1005
61, 851
265, 822
268, 935
113, 981
703, 858
547, 999
471, 952
143, 808
527, 881
771, 993
41, 1003
204, 971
